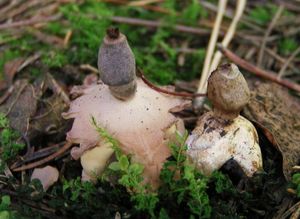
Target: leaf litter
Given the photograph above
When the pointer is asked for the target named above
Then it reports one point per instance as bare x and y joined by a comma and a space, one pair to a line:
272, 109
276, 111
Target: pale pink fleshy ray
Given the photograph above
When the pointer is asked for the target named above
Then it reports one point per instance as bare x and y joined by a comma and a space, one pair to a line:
139, 124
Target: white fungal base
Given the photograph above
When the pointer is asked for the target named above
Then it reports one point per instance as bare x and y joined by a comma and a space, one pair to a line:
215, 141
94, 161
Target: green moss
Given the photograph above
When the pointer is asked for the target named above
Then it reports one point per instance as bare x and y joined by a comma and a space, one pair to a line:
88, 22
153, 51
193, 12
8, 141
5, 57
263, 14
287, 46
55, 59
296, 183
35, 72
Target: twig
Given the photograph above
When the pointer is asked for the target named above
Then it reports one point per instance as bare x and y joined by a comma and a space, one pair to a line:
20, 91
142, 2
257, 71
211, 6
157, 24
6, 94
161, 90
57, 89
211, 45
30, 21
148, 7
36, 155
45, 160
292, 191
209, 53
291, 210
288, 61
272, 54
296, 214
88, 67
277, 57
67, 38
229, 35
8, 7
267, 33
29, 60
46, 38
19, 10
296, 167
290, 6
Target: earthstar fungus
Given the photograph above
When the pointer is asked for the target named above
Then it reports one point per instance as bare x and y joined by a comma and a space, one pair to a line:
131, 112
222, 134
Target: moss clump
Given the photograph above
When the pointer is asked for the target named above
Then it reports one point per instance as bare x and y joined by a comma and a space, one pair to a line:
8, 141
287, 46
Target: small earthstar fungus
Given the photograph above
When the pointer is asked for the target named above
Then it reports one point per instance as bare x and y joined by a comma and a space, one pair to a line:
223, 134
130, 111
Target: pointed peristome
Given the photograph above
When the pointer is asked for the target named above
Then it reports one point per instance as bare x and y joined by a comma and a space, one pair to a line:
228, 91
116, 64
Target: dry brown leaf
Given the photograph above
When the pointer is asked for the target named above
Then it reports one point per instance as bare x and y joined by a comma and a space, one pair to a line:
35, 109
47, 119
20, 106
11, 68
277, 112
51, 103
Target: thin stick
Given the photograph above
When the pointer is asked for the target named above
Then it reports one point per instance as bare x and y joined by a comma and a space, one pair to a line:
274, 55
30, 21
296, 167
157, 24
90, 68
291, 210
36, 155
258, 71
267, 33
45, 160
7, 94
148, 7
288, 61
67, 38
211, 6
211, 45
229, 35
142, 2
29, 60
22, 9
161, 90
296, 214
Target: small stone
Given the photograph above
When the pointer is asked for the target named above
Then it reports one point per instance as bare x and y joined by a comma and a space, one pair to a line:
48, 175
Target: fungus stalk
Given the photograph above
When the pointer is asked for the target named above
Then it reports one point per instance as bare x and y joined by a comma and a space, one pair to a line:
223, 134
